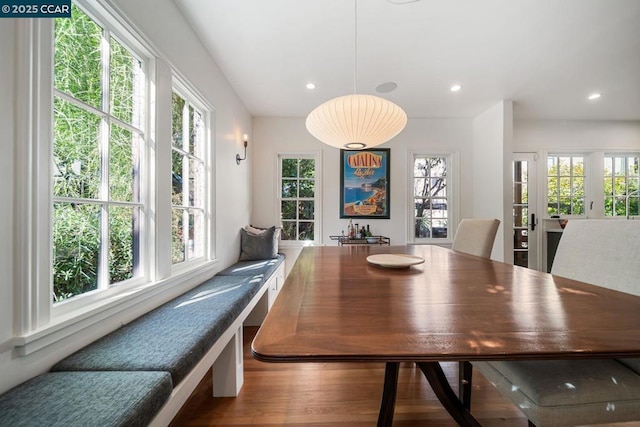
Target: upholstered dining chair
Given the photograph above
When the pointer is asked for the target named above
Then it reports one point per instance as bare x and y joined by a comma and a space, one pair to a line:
603, 391
475, 236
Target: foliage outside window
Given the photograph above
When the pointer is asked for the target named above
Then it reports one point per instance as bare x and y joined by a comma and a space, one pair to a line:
98, 144
565, 185
188, 177
298, 198
430, 197
621, 177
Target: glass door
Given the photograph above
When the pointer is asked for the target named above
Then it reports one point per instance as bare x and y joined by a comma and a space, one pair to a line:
525, 218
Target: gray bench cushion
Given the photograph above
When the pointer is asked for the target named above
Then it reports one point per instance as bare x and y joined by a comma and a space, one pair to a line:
84, 399
263, 268
568, 392
172, 338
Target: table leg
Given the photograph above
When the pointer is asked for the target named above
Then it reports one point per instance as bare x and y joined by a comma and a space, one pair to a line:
438, 381
388, 403
465, 371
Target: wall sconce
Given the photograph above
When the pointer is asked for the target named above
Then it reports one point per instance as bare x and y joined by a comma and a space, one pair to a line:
245, 139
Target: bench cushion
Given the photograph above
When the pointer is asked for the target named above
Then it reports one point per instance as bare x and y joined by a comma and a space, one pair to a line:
262, 268
68, 399
568, 392
172, 338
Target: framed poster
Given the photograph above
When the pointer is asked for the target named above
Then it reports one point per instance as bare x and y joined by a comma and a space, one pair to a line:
364, 183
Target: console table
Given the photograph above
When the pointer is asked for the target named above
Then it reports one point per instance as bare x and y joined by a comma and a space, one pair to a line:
371, 240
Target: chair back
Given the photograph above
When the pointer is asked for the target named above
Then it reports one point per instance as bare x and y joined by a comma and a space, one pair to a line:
476, 236
600, 252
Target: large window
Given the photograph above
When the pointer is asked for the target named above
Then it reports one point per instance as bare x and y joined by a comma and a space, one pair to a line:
431, 198
621, 177
566, 185
99, 141
298, 197
188, 225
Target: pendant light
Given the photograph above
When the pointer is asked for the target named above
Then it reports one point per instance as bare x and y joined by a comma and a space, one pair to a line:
356, 121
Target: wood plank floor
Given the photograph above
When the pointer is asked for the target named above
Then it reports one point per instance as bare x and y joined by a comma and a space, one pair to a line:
337, 394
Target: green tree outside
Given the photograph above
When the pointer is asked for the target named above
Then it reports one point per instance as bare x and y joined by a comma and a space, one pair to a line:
297, 193
79, 209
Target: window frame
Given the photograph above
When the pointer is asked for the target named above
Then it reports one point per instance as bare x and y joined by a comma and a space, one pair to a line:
588, 177
594, 180
317, 226
192, 97
37, 322
452, 196
626, 155
107, 119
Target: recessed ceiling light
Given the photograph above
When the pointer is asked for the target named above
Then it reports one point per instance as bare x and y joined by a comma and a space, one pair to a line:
594, 96
456, 88
311, 85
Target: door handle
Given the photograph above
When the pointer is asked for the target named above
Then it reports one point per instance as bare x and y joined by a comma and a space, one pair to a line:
533, 222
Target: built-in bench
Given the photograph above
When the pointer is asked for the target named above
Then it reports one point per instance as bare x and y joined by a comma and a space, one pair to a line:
575, 392
143, 372
82, 399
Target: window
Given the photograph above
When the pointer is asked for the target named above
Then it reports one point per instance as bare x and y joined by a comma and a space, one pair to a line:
188, 180
520, 179
565, 185
621, 177
98, 147
431, 197
299, 197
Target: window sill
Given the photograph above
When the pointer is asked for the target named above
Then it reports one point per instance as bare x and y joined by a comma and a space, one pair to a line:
297, 243
113, 311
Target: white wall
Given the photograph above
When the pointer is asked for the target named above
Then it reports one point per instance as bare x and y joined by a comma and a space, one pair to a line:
548, 135
274, 135
492, 156
163, 25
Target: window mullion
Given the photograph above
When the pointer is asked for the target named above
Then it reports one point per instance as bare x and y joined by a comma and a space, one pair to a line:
185, 179
185, 157
103, 264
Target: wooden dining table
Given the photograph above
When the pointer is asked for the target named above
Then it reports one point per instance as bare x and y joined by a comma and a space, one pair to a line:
335, 306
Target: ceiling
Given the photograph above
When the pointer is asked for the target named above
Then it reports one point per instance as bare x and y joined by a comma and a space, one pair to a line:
546, 56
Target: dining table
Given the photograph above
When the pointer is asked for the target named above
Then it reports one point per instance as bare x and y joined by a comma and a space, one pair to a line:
339, 305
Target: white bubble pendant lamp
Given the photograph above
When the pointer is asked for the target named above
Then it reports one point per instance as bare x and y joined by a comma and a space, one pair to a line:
356, 121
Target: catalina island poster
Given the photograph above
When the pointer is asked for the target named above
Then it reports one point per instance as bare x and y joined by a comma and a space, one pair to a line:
364, 183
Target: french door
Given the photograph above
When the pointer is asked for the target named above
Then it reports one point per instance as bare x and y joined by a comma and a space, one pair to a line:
525, 217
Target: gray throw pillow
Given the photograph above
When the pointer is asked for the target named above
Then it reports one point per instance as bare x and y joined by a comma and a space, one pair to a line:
258, 246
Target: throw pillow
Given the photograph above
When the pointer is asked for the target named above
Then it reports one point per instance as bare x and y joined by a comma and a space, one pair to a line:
255, 230
258, 246
258, 230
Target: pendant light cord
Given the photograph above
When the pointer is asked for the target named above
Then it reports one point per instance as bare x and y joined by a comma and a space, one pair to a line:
355, 47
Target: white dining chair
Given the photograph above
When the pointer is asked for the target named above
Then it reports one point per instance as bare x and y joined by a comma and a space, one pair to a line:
475, 236
602, 391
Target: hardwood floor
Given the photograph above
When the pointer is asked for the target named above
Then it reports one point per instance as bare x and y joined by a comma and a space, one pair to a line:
335, 394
